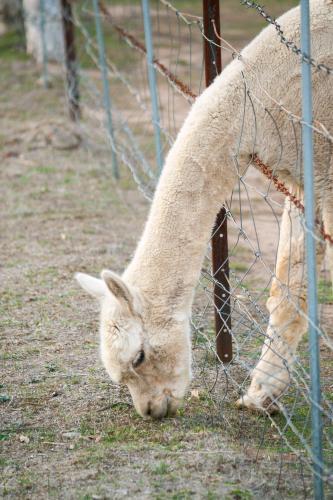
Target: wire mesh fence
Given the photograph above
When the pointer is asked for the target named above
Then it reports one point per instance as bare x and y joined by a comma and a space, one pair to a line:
265, 211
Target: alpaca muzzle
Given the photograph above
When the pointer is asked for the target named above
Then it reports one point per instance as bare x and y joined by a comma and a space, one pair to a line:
165, 406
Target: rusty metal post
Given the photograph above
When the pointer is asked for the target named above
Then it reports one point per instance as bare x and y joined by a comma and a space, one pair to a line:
73, 94
220, 256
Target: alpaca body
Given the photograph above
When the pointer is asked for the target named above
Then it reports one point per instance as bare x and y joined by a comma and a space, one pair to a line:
206, 159
226, 126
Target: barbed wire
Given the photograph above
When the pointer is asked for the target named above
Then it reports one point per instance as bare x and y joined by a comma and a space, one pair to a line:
185, 91
182, 15
288, 43
280, 186
136, 44
115, 72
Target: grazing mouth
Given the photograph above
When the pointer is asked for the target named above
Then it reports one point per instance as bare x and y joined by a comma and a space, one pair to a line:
166, 407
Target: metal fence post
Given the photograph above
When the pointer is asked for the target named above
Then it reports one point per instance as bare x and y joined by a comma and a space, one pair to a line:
309, 198
220, 257
43, 40
106, 87
73, 95
152, 82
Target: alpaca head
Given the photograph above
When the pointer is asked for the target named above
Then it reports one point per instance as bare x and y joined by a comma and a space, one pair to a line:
152, 358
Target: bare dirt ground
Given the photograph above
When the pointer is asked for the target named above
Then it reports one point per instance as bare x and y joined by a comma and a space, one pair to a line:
65, 430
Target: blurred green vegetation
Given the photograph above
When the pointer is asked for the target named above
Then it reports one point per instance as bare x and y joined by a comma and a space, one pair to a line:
12, 46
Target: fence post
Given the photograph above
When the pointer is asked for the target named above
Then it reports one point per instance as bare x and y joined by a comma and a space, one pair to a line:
152, 82
106, 87
309, 199
73, 95
220, 257
43, 40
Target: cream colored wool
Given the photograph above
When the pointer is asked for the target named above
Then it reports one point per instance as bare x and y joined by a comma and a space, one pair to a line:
149, 307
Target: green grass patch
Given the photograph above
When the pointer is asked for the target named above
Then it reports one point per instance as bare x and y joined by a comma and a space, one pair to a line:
45, 170
4, 398
325, 292
183, 494
238, 266
13, 356
12, 47
300, 420
239, 494
51, 367
161, 468
125, 434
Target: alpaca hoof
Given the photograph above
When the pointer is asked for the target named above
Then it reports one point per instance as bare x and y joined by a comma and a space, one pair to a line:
266, 405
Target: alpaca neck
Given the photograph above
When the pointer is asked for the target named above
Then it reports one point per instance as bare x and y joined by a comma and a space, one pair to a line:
195, 181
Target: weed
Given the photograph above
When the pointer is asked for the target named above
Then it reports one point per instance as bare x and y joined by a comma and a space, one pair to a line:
124, 434
161, 468
182, 494
51, 367
239, 494
45, 170
26, 481
12, 47
325, 292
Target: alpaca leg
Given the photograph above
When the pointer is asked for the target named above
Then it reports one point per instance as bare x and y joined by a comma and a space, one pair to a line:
328, 226
287, 321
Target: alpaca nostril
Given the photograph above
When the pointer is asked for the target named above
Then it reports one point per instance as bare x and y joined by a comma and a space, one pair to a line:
159, 409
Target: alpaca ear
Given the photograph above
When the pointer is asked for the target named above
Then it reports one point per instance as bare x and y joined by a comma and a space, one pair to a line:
117, 287
94, 286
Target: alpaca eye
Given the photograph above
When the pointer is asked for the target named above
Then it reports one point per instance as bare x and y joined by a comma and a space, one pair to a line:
139, 359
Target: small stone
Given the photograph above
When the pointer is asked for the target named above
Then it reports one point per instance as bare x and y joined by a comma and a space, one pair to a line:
35, 380
71, 434
24, 439
195, 393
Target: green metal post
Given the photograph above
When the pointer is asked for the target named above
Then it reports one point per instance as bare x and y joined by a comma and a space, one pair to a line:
152, 82
309, 198
106, 87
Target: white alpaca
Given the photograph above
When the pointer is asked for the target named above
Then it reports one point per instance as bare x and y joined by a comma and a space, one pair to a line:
145, 332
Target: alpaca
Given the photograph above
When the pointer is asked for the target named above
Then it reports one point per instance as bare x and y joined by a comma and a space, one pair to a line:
144, 327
